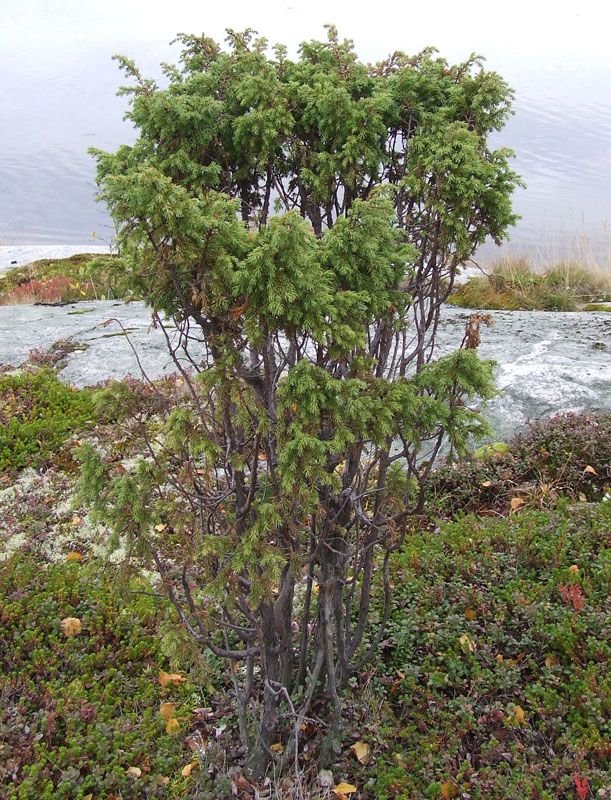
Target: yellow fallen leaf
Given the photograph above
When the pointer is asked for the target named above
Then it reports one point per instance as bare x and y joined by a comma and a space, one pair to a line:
170, 677
344, 788
361, 751
76, 521
582, 497
167, 710
160, 527
71, 626
173, 726
466, 643
591, 470
499, 658
74, 556
573, 568
516, 502
486, 483
188, 769
88, 797
519, 714
164, 779
469, 614
550, 661
135, 771
277, 748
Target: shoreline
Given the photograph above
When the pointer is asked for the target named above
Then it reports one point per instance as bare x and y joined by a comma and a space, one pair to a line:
12, 256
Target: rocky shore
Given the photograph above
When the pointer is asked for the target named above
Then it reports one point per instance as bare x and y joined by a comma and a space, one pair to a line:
546, 362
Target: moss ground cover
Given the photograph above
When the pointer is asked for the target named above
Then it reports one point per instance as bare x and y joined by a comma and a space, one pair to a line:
516, 285
65, 280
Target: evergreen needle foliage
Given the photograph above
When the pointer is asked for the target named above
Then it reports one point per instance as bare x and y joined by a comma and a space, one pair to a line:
300, 223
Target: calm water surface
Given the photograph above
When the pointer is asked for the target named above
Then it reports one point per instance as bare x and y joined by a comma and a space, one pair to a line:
58, 83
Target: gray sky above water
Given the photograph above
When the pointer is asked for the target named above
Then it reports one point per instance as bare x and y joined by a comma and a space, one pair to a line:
58, 93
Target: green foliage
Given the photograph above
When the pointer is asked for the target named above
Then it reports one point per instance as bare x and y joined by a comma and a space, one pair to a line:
481, 631
301, 222
78, 712
37, 414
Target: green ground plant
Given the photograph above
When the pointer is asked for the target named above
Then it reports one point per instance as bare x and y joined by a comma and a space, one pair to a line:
80, 714
37, 414
497, 659
492, 679
517, 285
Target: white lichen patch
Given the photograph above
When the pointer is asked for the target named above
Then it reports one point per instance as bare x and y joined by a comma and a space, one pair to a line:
12, 545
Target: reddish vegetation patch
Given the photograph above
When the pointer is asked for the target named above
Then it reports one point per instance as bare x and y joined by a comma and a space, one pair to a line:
54, 289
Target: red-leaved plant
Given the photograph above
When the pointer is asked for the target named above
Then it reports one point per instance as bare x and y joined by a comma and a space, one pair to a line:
572, 596
582, 787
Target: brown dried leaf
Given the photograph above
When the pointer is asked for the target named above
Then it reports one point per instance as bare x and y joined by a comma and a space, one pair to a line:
519, 714
170, 677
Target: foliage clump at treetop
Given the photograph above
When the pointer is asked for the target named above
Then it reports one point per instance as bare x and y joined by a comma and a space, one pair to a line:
301, 222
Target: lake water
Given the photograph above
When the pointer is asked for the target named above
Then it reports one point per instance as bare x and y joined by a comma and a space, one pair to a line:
58, 84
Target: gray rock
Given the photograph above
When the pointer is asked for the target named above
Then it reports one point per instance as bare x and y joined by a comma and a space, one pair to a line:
546, 362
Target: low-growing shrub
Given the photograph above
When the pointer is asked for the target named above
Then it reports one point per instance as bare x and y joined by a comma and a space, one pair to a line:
565, 454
